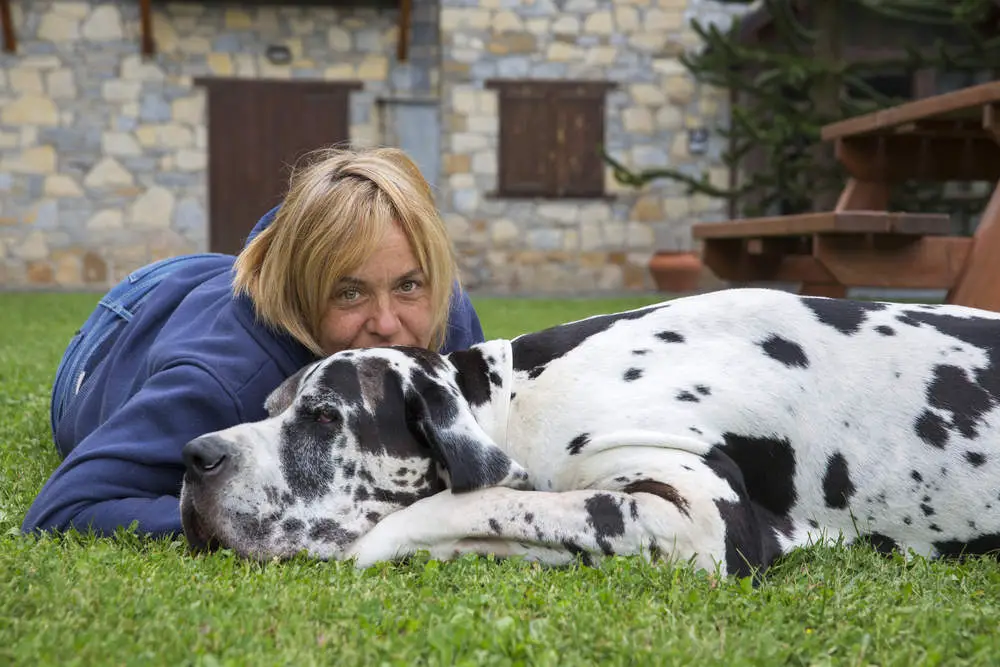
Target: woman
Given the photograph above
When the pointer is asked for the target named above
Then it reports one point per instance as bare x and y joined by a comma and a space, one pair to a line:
355, 256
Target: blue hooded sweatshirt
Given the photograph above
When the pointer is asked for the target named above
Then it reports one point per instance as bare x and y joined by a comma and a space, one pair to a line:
192, 360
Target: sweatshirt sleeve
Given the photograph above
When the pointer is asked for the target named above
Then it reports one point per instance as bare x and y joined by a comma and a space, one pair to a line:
130, 468
464, 328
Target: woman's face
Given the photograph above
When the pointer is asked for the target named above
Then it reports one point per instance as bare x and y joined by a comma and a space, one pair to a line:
384, 302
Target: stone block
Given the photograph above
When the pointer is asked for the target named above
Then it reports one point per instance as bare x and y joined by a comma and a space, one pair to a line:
30, 110
34, 160
58, 27
94, 269
108, 173
103, 25
61, 185
153, 210
104, 220
39, 272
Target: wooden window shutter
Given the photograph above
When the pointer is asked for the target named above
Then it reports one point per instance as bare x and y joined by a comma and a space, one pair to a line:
579, 134
526, 151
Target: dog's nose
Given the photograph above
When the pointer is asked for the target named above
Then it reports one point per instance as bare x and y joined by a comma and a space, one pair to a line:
206, 455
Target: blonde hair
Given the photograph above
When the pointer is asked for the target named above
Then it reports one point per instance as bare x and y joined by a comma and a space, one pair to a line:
338, 207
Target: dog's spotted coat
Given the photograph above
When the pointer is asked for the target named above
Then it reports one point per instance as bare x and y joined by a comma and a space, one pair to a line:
724, 428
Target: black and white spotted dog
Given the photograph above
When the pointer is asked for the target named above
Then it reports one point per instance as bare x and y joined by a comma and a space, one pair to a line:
725, 429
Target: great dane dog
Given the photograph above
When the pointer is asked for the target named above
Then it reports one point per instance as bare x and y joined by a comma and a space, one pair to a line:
721, 429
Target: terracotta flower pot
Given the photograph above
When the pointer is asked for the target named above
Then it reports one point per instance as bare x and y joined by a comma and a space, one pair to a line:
675, 271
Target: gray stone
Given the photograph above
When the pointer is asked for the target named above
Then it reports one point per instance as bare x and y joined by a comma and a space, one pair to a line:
47, 215
154, 109
512, 67
227, 42
189, 216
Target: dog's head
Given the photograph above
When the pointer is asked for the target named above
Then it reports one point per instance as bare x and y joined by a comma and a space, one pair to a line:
349, 439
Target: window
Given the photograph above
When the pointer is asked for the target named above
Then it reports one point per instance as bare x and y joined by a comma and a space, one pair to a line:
551, 133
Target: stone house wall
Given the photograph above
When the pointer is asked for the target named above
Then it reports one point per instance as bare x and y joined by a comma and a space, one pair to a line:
576, 245
103, 152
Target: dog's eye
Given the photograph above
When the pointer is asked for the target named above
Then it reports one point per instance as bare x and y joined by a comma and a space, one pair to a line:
322, 415
325, 416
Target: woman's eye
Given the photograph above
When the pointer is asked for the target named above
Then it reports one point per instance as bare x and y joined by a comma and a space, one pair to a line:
350, 294
409, 286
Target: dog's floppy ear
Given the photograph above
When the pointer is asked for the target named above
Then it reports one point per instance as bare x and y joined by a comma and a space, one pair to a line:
283, 396
446, 425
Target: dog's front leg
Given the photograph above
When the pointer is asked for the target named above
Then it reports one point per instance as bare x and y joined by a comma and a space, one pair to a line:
548, 527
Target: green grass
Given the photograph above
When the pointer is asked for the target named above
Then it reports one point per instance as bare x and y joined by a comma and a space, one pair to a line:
78, 600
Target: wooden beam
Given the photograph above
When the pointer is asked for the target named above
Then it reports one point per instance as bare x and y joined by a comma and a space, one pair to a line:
832, 222
898, 158
146, 19
404, 30
991, 121
9, 40
961, 103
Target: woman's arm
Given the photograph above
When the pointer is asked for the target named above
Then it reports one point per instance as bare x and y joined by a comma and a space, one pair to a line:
129, 469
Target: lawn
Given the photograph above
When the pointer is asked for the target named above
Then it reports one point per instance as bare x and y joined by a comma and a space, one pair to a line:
76, 600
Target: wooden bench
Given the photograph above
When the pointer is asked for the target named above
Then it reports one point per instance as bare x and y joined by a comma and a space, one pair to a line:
953, 137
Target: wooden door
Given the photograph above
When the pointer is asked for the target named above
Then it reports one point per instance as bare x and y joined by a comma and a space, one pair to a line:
257, 130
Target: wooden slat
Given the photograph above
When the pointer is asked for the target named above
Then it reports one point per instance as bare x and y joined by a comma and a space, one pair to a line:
9, 39
146, 20
897, 158
842, 222
728, 261
402, 47
977, 286
960, 103
921, 263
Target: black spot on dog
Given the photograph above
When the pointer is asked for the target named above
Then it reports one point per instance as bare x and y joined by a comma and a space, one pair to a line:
813, 523
633, 374
785, 351
917, 477
578, 443
529, 518
328, 530
670, 337
687, 396
767, 465
907, 520
292, 526
881, 543
694, 429
926, 509
975, 459
640, 352
534, 351
844, 315
983, 545
750, 547
373, 516
473, 376
576, 551
936, 528
605, 517
930, 428
361, 494
907, 320
495, 527
951, 390
703, 390
885, 330
665, 491
837, 484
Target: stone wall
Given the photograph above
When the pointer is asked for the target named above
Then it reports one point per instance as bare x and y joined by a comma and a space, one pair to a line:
103, 152
576, 245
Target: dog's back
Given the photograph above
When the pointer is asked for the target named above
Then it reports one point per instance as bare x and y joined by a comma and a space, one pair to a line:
876, 419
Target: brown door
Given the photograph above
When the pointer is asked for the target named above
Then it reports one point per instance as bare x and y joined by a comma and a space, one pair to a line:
257, 130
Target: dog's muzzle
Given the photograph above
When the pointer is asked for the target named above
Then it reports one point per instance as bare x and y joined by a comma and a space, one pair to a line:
208, 460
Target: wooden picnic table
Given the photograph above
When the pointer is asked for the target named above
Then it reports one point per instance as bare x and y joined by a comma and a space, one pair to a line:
949, 137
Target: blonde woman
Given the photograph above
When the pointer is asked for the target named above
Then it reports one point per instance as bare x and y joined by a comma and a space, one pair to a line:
355, 256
